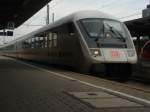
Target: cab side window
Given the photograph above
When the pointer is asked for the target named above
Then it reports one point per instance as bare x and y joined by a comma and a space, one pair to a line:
71, 29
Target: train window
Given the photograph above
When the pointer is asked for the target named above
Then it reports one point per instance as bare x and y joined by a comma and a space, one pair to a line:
36, 42
29, 40
50, 39
93, 27
32, 39
32, 42
41, 40
55, 39
71, 29
45, 42
25, 44
28, 43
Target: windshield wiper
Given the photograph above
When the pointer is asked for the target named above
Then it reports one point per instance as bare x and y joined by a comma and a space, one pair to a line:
121, 38
114, 31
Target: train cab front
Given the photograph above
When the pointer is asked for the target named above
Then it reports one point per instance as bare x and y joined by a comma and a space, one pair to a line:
108, 42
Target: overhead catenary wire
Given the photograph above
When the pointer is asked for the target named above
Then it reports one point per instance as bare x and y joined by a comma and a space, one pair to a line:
127, 16
44, 17
127, 6
131, 15
32, 25
106, 5
56, 3
35, 17
109, 5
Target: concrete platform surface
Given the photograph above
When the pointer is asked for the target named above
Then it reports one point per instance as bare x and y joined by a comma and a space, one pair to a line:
26, 89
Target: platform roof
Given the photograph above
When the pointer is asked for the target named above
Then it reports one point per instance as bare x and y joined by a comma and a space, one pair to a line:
18, 11
139, 27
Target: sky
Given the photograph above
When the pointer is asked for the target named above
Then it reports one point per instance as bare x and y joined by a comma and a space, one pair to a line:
122, 9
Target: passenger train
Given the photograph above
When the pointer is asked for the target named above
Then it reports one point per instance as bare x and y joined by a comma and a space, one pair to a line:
84, 40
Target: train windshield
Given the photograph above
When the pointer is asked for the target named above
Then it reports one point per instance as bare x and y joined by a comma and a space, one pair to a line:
94, 27
101, 28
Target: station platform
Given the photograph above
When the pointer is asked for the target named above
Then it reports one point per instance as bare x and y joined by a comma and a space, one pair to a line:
25, 88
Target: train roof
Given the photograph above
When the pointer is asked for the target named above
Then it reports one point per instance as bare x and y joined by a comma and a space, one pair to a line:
91, 14
82, 15
70, 18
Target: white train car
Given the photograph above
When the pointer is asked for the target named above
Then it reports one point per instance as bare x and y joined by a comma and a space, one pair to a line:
84, 41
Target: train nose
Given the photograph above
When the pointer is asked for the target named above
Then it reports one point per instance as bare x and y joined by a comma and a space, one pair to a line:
115, 55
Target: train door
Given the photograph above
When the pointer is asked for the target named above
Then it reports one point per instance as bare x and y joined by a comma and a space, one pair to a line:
53, 49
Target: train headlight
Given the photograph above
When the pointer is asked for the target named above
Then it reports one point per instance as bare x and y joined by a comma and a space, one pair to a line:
131, 53
95, 52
